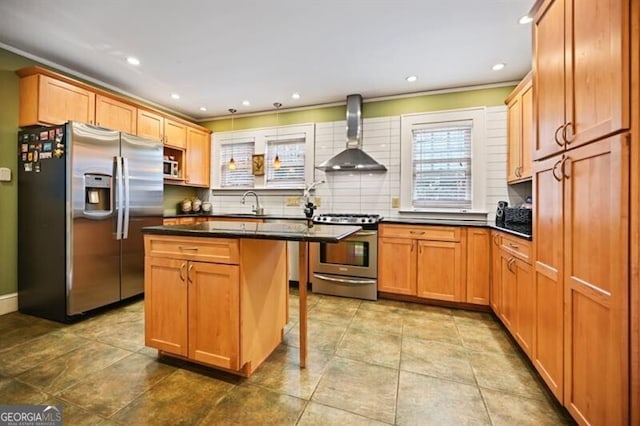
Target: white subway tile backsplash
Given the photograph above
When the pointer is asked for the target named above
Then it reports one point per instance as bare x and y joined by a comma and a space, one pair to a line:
372, 193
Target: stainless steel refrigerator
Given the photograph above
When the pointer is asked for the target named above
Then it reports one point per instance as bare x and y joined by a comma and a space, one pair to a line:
84, 193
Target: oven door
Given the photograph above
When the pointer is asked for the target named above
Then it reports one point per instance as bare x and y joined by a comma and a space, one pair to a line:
355, 256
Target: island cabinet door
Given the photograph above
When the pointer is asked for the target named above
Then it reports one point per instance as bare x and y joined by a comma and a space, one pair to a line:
214, 314
165, 304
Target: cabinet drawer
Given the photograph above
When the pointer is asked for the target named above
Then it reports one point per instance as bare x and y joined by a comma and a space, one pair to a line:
433, 233
516, 246
215, 250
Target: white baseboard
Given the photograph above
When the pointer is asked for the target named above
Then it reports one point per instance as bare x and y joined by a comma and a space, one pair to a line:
8, 303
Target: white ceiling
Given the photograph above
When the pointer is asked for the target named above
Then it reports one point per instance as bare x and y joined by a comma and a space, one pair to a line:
218, 53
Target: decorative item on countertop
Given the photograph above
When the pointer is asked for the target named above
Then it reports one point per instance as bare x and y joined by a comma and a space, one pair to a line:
206, 207
309, 207
185, 206
196, 204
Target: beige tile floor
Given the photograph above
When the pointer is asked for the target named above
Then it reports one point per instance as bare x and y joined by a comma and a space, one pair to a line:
370, 363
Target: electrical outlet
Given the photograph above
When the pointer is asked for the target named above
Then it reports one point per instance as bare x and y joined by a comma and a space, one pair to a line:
293, 201
317, 201
395, 203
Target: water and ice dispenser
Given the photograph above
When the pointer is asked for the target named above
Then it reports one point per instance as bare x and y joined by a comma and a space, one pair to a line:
98, 193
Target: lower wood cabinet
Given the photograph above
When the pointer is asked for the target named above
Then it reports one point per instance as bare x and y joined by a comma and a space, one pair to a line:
397, 265
192, 309
478, 266
434, 262
441, 270
513, 288
216, 301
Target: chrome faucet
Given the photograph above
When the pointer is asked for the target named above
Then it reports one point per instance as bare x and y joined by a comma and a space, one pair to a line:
257, 209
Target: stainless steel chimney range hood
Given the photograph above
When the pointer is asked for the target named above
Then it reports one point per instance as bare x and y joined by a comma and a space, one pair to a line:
353, 159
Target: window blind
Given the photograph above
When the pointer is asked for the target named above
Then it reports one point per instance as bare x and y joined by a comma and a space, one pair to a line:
291, 152
241, 176
442, 166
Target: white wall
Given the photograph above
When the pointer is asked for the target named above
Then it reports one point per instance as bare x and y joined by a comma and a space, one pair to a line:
346, 192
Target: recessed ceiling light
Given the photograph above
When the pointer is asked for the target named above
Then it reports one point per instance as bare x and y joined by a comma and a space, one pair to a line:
498, 67
246, 103
203, 108
133, 61
411, 78
295, 95
526, 19
175, 96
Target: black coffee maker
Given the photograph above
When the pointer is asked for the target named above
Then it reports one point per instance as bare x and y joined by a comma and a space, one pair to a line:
500, 215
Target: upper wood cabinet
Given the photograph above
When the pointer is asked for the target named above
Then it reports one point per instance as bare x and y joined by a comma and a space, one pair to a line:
116, 115
175, 133
45, 101
150, 125
198, 154
520, 131
581, 72
48, 98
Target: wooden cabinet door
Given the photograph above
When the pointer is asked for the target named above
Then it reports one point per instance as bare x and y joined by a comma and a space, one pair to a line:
116, 115
508, 297
496, 271
548, 254
214, 314
165, 305
397, 265
596, 282
441, 270
198, 157
525, 306
60, 102
549, 78
597, 69
478, 265
175, 133
150, 125
526, 142
514, 129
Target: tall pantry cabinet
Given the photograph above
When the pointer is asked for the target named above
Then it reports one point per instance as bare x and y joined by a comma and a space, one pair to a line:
581, 184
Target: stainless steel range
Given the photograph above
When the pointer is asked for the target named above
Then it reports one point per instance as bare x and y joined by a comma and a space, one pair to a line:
348, 268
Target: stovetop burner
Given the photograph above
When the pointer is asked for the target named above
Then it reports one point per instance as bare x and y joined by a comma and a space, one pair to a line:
347, 218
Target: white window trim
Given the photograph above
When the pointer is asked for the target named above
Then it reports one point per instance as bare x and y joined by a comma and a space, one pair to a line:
478, 156
261, 135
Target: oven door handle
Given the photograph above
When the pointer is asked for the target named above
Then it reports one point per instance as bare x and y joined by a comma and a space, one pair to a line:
342, 280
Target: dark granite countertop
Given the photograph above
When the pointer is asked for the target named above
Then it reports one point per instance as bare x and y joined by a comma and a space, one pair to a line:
265, 231
522, 231
239, 215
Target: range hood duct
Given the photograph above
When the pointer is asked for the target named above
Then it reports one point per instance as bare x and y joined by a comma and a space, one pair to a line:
353, 159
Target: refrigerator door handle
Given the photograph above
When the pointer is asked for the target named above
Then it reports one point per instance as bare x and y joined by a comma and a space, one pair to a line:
119, 198
125, 226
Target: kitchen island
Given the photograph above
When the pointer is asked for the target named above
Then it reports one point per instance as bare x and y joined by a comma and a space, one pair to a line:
216, 292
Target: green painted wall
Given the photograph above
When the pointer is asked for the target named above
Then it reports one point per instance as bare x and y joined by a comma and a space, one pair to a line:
9, 158
386, 108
